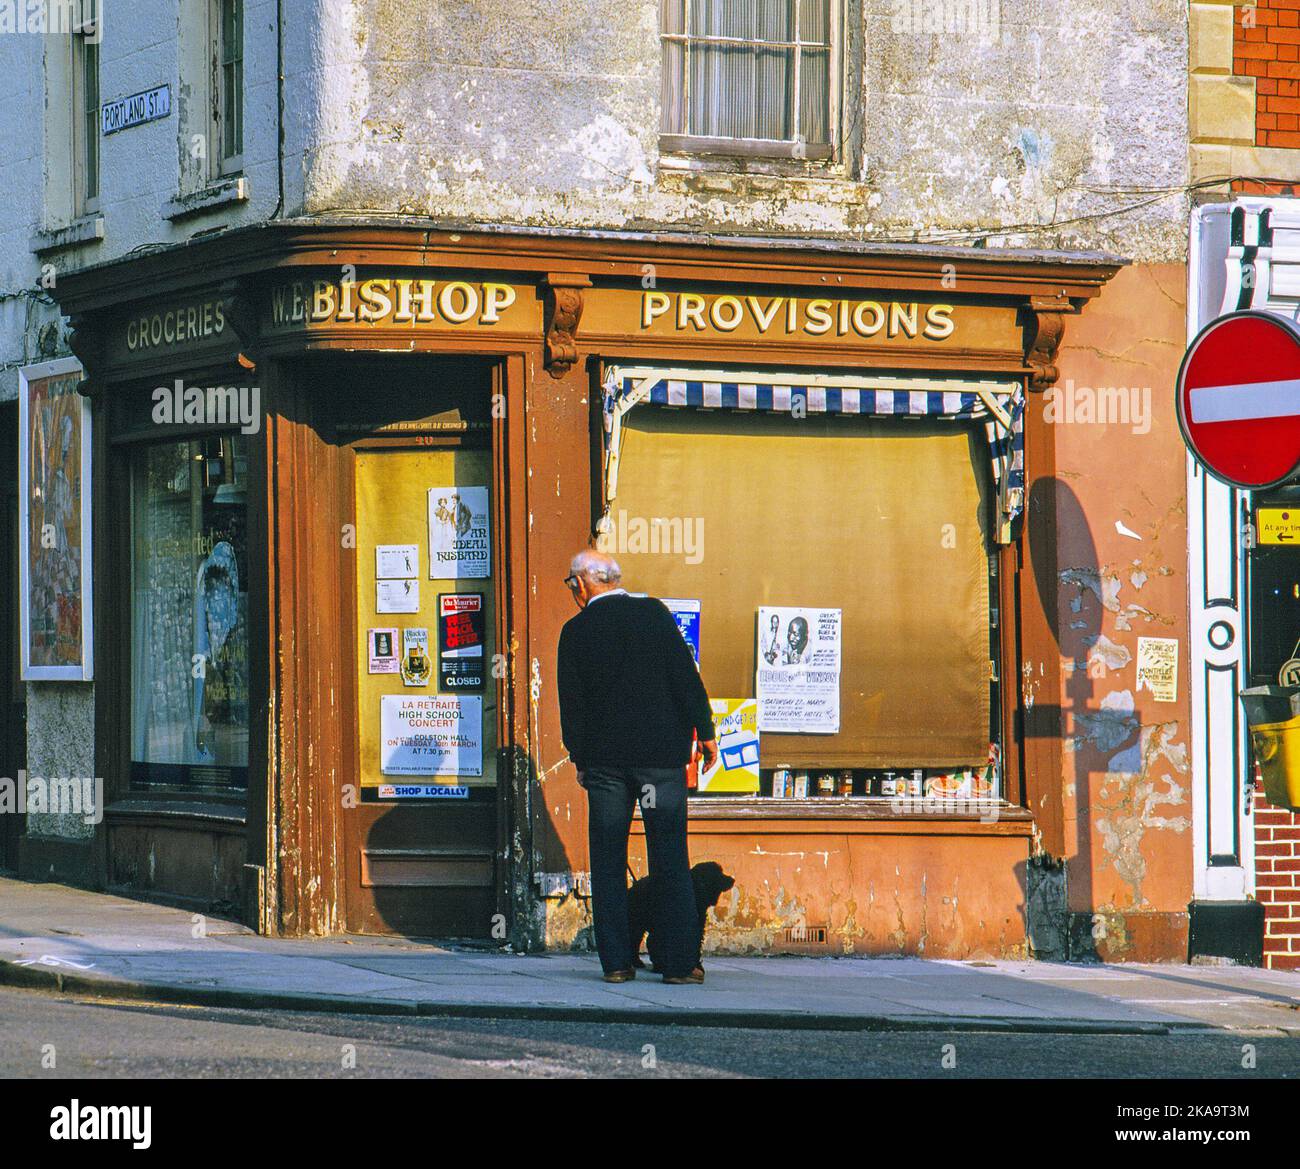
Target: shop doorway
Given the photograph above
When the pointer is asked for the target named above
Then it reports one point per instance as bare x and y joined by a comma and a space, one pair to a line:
421, 838
13, 737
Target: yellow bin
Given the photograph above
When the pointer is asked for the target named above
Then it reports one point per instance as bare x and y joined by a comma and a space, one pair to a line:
1273, 714
1277, 747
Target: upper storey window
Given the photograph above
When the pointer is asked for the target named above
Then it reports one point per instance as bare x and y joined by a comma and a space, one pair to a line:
756, 78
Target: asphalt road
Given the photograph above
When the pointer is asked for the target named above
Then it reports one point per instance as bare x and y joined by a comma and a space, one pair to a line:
89, 1038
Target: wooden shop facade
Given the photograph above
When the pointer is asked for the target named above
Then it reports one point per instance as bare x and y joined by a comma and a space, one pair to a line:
339, 470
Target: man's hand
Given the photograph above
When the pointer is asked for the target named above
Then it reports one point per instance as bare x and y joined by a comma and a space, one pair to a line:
710, 750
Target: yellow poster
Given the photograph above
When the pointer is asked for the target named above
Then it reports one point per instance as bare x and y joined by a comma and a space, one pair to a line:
417, 740
736, 723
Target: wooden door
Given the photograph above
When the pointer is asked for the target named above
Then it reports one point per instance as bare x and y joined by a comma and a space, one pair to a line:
421, 844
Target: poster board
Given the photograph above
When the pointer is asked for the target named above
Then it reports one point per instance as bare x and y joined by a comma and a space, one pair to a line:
774, 524
417, 738
798, 678
55, 554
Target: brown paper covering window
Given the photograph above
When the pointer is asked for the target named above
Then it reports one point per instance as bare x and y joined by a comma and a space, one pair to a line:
882, 518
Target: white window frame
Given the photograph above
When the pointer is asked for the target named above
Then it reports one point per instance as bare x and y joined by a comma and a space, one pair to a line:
673, 141
84, 139
221, 164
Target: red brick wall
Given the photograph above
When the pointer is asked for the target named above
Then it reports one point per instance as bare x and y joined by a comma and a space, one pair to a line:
1266, 46
1277, 882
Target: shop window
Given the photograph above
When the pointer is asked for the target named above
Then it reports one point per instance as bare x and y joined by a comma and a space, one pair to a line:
754, 78
886, 520
189, 614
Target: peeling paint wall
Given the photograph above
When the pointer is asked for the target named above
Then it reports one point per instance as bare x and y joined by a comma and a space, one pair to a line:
853, 892
1034, 120
1122, 557
838, 893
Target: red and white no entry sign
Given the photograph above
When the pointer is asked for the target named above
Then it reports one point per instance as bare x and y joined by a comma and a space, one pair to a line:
1239, 399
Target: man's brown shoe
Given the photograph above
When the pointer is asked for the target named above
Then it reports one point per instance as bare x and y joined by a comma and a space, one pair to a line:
619, 975
695, 976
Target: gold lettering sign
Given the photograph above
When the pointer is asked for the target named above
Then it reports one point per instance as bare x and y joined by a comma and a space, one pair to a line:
178, 324
793, 317
400, 301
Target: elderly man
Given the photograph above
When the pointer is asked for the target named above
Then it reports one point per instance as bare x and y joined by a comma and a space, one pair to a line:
631, 701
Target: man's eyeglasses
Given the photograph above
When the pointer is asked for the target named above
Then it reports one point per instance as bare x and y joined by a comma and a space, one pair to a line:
571, 581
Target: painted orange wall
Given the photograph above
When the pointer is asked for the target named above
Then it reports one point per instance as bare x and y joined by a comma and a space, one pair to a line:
1122, 574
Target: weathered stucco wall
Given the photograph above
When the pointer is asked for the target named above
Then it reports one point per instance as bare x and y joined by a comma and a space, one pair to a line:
833, 892
61, 745
1038, 120
1122, 565
816, 890
22, 307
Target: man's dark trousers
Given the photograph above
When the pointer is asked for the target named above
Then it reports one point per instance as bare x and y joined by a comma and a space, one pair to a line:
661, 792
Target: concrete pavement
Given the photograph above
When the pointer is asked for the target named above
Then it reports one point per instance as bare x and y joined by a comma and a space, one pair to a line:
60, 938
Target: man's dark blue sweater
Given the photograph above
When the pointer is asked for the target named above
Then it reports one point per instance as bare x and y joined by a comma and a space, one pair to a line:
630, 695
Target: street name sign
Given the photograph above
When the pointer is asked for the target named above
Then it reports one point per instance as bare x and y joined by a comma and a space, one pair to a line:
147, 106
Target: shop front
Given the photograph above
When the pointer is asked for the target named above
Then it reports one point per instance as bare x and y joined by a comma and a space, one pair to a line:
340, 471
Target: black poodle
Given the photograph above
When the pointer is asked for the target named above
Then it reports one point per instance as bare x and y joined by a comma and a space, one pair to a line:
709, 882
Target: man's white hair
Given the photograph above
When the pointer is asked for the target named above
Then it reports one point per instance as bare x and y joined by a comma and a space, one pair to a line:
596, 567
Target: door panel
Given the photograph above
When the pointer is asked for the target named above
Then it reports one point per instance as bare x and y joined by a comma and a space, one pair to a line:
421, 845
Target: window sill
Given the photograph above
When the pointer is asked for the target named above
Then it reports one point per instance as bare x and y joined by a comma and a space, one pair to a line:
221, 193
89, 229
196, 806
864, 814
721, 168
685, 144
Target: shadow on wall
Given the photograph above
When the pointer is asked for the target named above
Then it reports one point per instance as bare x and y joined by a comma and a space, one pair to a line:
1056, 518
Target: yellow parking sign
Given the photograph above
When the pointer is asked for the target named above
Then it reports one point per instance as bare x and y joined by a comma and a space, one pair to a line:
1279, 525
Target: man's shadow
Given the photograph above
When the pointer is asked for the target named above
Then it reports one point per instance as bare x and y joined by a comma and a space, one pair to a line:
1067, 577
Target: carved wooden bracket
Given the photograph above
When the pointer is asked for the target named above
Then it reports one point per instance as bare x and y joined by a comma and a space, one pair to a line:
87, 345
1045, 328
241, 314
563, 292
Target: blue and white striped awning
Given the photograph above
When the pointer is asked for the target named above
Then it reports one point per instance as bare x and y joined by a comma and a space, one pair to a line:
998, 404
815, 399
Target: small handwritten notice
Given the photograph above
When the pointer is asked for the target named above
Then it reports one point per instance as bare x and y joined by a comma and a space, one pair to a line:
1157, 667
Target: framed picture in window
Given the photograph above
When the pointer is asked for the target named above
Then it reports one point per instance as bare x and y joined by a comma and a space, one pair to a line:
54, 560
